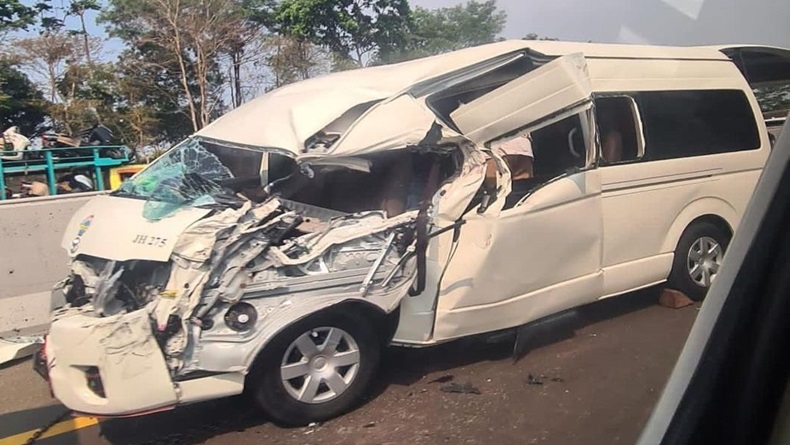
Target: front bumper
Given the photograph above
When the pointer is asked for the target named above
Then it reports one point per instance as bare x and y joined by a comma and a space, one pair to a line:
113, 366
122, 351
40, 363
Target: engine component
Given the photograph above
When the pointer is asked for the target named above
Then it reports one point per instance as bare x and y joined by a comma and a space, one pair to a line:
241, 317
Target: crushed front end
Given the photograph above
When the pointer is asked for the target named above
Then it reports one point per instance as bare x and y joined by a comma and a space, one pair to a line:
141, 334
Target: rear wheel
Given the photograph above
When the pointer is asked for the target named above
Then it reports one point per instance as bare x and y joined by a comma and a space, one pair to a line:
698, 258
316, 369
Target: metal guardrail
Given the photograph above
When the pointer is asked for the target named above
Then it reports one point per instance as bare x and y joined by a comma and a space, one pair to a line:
51, 161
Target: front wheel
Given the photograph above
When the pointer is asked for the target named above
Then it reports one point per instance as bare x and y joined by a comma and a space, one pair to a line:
698, 258
316, 369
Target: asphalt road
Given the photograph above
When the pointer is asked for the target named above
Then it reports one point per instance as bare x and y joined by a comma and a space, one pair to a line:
590, 380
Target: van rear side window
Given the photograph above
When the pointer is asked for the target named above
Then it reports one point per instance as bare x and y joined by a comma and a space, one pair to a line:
681, 124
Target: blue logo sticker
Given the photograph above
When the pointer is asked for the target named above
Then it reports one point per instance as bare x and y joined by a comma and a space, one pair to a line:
84, 226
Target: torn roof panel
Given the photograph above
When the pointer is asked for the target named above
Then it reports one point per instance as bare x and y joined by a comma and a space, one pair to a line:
378, 130
287, 117
557, 85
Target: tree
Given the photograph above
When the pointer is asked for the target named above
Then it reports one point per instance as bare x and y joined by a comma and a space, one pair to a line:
291, 60
436, 31
21, 103
534, 36
247, 47
47, 56
153, 98
188, 37
356, 30
773, 98
79, 8
14, 14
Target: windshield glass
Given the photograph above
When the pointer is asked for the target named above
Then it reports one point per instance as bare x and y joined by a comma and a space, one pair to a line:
194, 173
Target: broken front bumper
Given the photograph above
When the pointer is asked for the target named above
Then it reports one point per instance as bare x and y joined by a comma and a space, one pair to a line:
40, 363
109, 366
113, 366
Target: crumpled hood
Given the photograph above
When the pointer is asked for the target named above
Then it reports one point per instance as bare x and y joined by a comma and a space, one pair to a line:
114, 228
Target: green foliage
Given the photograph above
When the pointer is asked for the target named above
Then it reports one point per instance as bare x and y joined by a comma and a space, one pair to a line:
436, 31
180, 44
358, 30
21, 103
14, 14
774, 98
185, 61
533, 36
79, 7
152, 97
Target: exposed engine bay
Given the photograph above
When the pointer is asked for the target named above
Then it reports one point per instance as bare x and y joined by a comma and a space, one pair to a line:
249, 257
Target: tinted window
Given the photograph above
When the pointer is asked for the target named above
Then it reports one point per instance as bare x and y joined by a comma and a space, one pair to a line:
617, 127
552, 148
693, 123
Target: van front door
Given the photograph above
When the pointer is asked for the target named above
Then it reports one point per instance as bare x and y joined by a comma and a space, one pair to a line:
514, 265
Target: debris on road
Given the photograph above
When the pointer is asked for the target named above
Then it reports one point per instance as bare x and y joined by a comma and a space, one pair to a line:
532, 380
312, 428
460, 388
674, 299
369, 425
443, 379
18, 347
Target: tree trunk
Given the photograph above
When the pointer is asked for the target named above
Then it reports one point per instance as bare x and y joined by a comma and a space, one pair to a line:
202, 81
179, 52
237, 98
87, 46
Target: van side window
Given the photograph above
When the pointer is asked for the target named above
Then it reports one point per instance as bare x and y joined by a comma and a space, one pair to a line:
555, 149
680, 124
618, 128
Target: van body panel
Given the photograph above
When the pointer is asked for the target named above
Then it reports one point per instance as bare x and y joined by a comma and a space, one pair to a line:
635, 275
462, 256
645, 75
521, 251
560, 84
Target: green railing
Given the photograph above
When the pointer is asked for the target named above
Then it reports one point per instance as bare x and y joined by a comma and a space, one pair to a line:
51, 160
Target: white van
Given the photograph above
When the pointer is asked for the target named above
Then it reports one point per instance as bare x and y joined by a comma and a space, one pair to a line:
283, 246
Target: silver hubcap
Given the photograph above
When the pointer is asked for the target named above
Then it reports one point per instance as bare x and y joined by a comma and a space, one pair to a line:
320, 365
704, 260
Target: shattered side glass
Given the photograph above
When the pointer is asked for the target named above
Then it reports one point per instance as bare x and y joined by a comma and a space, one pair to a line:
188, 175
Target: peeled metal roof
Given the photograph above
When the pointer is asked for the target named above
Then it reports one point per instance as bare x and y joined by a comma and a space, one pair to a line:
286, 117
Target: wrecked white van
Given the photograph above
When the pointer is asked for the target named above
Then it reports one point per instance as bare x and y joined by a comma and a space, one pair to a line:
280, 249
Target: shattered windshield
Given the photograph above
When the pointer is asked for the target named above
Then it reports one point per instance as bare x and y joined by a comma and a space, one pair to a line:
194, 173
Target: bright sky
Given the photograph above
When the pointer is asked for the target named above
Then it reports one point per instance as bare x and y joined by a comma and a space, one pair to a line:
669, 22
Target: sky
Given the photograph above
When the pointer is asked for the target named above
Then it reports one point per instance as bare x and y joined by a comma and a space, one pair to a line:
661, 22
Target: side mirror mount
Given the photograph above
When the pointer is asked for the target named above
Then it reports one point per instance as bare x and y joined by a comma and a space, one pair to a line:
488, 199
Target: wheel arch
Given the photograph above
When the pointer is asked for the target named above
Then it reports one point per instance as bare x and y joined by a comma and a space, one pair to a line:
383, 322
713, 210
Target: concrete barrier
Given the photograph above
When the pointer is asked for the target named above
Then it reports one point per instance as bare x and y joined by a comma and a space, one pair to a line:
31, 259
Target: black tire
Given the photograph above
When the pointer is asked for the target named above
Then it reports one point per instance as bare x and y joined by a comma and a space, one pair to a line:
269, 391
680, 277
